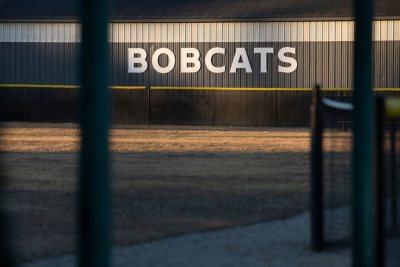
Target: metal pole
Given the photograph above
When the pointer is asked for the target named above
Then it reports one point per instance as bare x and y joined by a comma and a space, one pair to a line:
7, 258
148, 105
94, 115
317, 222
363, 234
379, 185
393, 182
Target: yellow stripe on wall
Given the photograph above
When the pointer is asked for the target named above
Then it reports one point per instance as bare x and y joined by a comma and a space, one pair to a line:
120, 87
123, 87
387, 89
227, 88
57, 86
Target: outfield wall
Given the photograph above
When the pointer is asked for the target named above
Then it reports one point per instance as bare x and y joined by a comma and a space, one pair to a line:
245, 74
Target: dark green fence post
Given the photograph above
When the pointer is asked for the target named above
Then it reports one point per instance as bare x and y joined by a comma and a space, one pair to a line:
316, 186
393, 174
6, 248
379, 185
94, 116
363, 235
148, 88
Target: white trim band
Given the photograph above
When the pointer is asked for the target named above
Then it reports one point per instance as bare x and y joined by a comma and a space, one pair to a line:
314, 31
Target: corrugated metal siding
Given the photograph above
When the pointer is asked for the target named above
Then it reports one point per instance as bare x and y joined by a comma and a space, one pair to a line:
48, 53
39, 63
313, 31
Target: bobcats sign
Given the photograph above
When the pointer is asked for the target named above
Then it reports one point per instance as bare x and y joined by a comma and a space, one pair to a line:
191, 60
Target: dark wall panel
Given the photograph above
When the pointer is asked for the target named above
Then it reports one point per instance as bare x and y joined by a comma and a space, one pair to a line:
293, 108
181, 107
129, 107
38, 105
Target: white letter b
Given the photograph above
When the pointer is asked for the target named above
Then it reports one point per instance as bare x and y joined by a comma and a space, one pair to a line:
134, 60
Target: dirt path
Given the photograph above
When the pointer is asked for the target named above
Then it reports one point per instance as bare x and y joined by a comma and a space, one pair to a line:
166, 181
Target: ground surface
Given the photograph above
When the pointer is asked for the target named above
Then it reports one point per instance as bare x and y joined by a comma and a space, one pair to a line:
278, 243
167, 181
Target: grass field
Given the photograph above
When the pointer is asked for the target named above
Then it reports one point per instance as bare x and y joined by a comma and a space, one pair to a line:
166, 181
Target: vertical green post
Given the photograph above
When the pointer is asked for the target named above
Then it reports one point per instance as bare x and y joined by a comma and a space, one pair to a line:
6, 248
94, 115
379, 184
316, 186
393, 175
148, 105
363, 118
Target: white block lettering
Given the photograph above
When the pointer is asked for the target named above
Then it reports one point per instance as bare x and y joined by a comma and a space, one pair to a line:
133, 60
208, 59
240, 61
171, 60
263, 51
186, 60
290, 60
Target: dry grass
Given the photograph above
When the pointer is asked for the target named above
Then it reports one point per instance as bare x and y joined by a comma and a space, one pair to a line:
166, 181
177, 139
